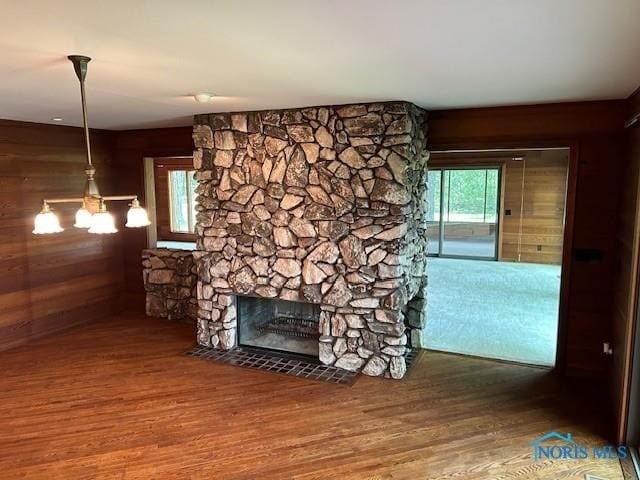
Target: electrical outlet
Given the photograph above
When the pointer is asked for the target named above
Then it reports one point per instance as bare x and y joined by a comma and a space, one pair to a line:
607, 349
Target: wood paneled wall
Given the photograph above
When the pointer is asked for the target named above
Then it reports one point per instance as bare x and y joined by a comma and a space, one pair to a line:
50, 282
543, 207
626, 268
594, 132
131, 147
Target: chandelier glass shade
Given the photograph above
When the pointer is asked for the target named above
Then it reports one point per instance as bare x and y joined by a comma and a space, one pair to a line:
137, 216
102, 221
83, 217
93, 214
46, 222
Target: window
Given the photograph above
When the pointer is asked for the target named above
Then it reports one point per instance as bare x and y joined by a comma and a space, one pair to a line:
462, 215
175, 194
182, 204
472, 195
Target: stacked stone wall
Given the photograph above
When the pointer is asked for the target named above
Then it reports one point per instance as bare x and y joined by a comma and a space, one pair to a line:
324, 205
170, 279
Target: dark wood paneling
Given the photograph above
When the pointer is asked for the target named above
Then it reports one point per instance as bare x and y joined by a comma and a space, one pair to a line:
626, 269
537, 125
593, 131
50, 282
121, 401
131, 147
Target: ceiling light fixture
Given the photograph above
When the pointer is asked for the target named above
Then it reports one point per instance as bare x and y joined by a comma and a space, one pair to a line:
102, 221
203, 97
57, 119
46, 221
93, 214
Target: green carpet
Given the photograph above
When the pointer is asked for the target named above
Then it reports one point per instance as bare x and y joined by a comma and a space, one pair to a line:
500, 310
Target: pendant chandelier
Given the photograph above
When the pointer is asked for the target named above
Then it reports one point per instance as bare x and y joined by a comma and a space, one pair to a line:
93, 214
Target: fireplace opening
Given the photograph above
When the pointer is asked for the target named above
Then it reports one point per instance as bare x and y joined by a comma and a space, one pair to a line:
279, 325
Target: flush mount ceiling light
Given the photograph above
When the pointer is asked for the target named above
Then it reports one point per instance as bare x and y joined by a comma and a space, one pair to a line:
93, 214
203, 97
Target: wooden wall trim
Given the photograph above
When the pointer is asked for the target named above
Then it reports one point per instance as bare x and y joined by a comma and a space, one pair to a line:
567, 257
150, 197
626, 305
500, 239
630, 328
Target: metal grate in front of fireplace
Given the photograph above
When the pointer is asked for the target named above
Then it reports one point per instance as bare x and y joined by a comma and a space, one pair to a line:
276, 362
290, 327
285, 363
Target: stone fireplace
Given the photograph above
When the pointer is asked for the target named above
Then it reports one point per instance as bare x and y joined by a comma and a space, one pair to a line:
314, 215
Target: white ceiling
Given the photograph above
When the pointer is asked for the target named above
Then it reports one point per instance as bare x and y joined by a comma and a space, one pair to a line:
149, 56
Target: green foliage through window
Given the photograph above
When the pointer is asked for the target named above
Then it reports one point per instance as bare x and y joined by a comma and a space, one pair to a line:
470, 195
182, 185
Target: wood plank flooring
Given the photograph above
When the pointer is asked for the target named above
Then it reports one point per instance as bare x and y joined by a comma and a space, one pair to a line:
117, 400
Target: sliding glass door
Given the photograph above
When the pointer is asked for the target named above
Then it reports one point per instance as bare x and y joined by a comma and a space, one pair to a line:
463, 212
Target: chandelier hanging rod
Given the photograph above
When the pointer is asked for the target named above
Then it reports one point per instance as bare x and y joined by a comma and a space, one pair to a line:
108, 198
80, 63
63, 200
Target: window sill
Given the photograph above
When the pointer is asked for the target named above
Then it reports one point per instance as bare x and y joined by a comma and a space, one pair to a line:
176, 245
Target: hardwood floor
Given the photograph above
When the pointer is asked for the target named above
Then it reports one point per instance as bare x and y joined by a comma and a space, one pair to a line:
118, 400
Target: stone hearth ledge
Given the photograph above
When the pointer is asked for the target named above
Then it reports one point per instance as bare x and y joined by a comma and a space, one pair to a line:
324, 205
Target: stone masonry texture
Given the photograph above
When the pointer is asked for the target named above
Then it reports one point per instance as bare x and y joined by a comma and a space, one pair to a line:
324, 205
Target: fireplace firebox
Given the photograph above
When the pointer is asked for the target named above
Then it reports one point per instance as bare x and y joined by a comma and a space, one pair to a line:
279, 325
